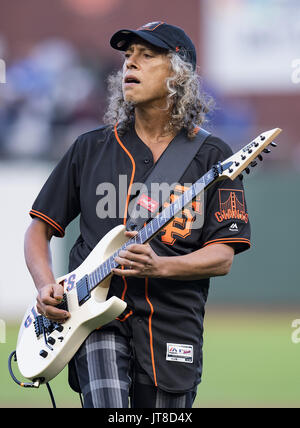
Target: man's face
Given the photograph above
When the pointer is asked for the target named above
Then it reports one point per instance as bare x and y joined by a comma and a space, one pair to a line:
145, 71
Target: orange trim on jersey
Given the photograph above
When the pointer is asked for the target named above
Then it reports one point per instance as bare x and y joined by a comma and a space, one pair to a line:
228, 241
132, 173
150, 329
49, 221
125, 286
126, 316
128, 193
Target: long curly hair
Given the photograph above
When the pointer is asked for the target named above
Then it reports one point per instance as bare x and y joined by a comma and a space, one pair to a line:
186, 101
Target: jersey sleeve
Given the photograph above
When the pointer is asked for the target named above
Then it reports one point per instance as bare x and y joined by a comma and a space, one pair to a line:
58, 202
226, 217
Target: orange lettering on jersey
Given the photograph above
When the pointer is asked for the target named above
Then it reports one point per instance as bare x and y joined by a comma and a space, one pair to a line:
181, 226
232, 205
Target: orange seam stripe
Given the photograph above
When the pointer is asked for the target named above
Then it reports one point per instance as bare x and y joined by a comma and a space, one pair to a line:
126, 316
125, 286
128, 193
224, 240
49, 220
150, 330
132, 173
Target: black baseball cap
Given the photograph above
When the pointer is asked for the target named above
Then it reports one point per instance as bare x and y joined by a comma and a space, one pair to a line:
159, 34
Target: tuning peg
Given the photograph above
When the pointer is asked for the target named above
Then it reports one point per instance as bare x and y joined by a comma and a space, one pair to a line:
266, 150
247, 170
241, 177
260, 157
253, 164
273, 144
262, 137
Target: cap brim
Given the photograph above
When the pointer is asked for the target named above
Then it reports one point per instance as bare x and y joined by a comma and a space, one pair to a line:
121, 39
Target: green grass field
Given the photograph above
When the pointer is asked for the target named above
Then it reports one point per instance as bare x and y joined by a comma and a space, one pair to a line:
249, 361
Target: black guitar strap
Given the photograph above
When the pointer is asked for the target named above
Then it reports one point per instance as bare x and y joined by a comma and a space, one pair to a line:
162, 179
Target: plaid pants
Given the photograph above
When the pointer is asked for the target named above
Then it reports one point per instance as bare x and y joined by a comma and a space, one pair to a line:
109, 378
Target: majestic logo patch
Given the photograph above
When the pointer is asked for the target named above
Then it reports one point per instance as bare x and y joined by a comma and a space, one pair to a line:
231, 205
180, 353
234, 228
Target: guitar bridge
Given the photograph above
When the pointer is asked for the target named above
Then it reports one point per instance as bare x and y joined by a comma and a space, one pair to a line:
43, 325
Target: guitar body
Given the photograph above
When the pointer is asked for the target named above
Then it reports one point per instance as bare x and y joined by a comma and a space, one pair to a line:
94, 313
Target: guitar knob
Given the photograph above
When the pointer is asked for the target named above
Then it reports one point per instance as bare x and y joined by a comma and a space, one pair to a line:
51, 340
59, 328
43, 353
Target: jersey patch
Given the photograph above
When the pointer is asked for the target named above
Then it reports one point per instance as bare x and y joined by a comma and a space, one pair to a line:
234, 228
231, 205
180, 353
148, 203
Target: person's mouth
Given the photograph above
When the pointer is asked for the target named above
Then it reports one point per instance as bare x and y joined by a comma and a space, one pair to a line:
131, 81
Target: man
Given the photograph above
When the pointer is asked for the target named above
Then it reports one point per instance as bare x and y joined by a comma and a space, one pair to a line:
152, 353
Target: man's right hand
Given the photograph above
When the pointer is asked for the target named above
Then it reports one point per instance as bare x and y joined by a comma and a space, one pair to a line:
49, 297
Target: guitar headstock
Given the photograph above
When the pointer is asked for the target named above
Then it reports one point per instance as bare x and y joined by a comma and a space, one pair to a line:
241, 160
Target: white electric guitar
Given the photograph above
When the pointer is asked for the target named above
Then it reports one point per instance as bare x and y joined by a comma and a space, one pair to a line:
44, 347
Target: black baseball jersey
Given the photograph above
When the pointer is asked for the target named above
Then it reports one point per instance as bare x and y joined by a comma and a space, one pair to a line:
166, 316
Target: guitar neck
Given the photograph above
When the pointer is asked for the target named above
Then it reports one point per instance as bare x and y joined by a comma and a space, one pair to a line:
147, 233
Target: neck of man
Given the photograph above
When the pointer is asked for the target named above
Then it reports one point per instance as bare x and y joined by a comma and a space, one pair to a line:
151, 125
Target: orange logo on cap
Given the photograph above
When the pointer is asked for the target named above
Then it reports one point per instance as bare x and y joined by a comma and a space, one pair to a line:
151, 26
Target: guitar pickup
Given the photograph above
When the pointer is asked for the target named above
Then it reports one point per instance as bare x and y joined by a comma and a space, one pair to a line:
83, 291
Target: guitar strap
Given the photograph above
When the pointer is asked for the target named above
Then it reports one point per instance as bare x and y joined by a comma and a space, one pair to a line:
165, 175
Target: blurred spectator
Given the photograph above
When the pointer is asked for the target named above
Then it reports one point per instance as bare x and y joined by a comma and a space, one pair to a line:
50, 97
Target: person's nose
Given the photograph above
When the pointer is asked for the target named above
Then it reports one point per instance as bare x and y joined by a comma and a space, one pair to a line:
132, 62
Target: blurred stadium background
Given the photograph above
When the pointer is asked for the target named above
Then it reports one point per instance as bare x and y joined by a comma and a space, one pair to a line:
57, 57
